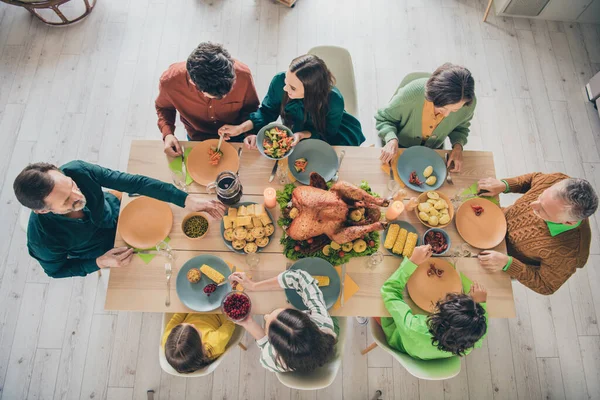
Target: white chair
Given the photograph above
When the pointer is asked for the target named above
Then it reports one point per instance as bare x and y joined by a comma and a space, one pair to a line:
235, 340
321, 377
339, 62
24, 218
432, 370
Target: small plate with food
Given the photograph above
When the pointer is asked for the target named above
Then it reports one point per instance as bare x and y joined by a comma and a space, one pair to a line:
274, 141
247, 227
421, 168
205, 163
431, 282
438, 239
400, 238
313, 155
327, 278
202, 282
435, 210
481, 223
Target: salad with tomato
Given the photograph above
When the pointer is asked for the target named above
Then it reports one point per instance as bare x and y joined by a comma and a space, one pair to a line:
277, 143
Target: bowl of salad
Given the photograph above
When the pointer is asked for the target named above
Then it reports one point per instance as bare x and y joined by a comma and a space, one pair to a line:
274, 141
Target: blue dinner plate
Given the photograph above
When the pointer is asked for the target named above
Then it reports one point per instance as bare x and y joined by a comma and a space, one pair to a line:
228, 243
417, 158
192, 294
403, 224
321, 158
316, 266
260, 137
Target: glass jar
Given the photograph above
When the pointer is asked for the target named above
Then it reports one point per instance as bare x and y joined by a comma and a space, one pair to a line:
228, 188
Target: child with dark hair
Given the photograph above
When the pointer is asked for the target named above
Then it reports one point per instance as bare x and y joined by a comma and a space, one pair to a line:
294, 340
454, 329
193, 341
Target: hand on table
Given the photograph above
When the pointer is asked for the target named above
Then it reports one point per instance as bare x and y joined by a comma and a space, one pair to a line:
214, 208
478, 293
229, 131
421, 254
389, 151
490, 187
172, 146
250, 142
242, 278
492, 260
456, 157
115, 258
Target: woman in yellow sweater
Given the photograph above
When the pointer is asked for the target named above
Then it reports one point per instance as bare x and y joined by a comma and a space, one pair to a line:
193, 341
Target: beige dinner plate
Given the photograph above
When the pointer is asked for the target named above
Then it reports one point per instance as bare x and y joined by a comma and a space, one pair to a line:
425, 291
485, 231
201, 170
145, 222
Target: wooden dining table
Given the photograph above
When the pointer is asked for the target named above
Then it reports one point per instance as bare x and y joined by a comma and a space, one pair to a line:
142, 287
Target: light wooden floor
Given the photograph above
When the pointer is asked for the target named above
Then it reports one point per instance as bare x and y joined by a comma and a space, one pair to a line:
86, 91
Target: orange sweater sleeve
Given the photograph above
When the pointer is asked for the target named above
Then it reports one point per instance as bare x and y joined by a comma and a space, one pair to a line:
522, 183
165, 110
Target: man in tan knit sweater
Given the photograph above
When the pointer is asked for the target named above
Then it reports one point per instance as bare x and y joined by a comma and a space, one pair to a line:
548, 234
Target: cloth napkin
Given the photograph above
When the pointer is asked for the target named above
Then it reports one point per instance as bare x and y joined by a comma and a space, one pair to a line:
386, 168
472, 191
284, 164
175, 166
350, 289
146, 258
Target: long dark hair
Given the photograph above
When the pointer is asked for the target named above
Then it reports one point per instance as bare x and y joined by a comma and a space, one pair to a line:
300, 344
318, 82
184, 350
458, 323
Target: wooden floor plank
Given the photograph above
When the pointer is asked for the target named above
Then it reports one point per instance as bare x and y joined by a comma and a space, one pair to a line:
54, 320
43, 376
590, 353
125, 350
501, 361
382, 379
148, 371
551, 378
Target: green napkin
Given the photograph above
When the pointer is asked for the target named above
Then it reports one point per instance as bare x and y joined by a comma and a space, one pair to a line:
146, 258
175, 165
472, 191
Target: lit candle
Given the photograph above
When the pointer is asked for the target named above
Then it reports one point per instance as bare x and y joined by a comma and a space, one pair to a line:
270, 197
394, 210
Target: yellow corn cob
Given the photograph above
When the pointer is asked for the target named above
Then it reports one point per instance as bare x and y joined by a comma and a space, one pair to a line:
212, 274
411, 242
400, 241
322, 280
392, 235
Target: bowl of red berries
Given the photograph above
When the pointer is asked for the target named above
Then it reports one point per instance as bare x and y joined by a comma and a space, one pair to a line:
438, 239
236, 305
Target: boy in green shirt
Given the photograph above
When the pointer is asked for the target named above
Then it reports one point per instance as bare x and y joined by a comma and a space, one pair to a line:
73, 223
458, 325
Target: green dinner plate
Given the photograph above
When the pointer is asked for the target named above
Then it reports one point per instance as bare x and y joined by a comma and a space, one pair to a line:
316, 266
403, 224
321, 158
192, 294
417, 158
228, 243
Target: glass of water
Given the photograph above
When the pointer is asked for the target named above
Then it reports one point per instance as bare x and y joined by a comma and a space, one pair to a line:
178, 178
252, 259
375, 259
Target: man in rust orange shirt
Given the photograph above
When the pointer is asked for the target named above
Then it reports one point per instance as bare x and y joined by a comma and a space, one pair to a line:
211, 91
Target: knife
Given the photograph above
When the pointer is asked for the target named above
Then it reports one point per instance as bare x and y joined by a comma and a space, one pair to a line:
391, 171
239, 158
183, 168
343, 282
273, 171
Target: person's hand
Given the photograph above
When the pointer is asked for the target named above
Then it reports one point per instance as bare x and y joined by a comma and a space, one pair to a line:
229, 131
456, 157
478, 293
490, 187
297, 138
172, 147
492, 260
389, 151
250, 142
214, 208
242, 279
115, 258
421, 254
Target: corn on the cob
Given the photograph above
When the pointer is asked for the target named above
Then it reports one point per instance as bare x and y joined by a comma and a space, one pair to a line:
392, 235
212, 274
322, 280
400, 241
411, 242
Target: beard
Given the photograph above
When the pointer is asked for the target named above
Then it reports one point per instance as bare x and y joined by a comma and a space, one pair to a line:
77, 206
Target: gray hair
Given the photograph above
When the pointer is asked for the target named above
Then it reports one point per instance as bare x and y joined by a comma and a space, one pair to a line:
581, 197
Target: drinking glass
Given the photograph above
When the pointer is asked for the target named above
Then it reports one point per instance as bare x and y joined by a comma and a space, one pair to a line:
282, 173
179, 180
375, 259
165, 250
252, 259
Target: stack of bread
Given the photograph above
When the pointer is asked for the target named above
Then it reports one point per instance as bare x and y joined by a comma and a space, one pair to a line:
248, 227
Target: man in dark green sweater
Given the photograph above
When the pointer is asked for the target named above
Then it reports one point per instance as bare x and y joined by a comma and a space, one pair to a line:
72, 228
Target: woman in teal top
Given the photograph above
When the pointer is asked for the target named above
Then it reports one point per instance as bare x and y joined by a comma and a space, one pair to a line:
458, 325
309, 104
426, 109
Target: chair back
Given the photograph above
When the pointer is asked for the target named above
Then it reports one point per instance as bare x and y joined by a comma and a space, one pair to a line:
323, 376
433, 370
339, 62
411, 77
237, 336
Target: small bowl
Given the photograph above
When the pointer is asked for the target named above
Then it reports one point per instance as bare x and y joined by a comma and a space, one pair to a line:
230, 294
195, 214
423, 198
260, 137
446, 236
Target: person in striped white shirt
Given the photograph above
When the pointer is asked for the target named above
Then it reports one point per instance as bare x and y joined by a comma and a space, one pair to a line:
292, 340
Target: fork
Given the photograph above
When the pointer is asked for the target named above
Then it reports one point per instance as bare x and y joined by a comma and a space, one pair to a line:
336, 177
448, 176
168, 272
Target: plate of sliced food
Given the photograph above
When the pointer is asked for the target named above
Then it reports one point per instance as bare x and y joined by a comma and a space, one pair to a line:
274, 141
421, 168
205, 162
326, 276
400, 238
481, 223
247, 227
202, 282
435, 210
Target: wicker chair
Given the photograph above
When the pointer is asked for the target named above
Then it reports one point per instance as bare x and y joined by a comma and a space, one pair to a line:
35, 6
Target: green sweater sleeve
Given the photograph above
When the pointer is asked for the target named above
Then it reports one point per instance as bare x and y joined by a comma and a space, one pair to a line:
387, 120
392, 294
56, 263
271, 104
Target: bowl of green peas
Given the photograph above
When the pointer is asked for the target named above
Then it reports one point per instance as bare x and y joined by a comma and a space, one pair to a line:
195, 225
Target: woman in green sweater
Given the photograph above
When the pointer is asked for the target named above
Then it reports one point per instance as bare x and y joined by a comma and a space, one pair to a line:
427, 109
309, 104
